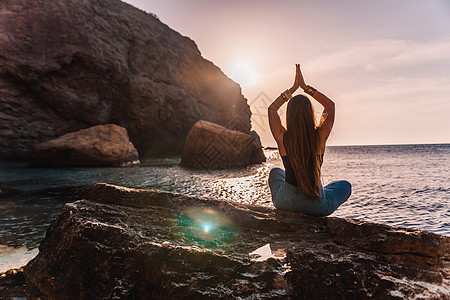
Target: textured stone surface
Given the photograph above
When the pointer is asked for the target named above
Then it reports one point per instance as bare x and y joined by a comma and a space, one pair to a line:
12, 284
211, 146
98, 146
149, 244
6, 192
66, 65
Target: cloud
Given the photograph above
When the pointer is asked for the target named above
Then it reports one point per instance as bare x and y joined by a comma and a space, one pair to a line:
380, 55
423, 52
421, 88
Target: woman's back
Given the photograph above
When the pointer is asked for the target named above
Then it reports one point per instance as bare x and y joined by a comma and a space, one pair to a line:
290, 173
301, 146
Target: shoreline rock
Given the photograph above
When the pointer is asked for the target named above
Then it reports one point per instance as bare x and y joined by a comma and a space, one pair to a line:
122, 242
12, 284
99, 146
212, 146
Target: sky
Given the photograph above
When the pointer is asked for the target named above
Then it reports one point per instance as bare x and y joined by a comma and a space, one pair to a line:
385, 63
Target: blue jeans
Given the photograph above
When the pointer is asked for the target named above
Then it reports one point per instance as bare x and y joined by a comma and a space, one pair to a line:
291, 198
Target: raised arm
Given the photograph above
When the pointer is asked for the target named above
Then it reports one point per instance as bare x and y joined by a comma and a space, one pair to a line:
327, 118
276, 127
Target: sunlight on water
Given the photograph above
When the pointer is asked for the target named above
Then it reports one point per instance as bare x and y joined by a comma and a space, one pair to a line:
250, 189
396, 185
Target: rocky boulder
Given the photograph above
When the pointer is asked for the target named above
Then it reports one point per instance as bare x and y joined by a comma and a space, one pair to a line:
67, 65
211, 146
148, 244
98, 146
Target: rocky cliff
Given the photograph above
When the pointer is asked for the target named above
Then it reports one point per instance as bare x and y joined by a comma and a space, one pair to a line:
66, 65
147, 244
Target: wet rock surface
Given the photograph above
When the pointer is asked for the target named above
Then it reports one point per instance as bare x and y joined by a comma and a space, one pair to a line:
67, 65
7, 192
149, 244
12, 284
212, 146
98, 146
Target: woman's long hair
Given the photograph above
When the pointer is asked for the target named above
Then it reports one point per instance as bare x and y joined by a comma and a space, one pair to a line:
301, 141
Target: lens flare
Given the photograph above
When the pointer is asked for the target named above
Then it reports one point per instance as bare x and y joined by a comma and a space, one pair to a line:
206, 227
201, 224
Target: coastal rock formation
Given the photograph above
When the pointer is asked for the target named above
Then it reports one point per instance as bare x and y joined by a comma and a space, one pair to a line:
149, 244
67, 65
211, 146
98, 146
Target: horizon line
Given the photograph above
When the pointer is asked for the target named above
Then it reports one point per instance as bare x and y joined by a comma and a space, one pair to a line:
362, 145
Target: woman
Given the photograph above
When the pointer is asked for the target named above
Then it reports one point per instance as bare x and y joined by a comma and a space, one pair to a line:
301, 145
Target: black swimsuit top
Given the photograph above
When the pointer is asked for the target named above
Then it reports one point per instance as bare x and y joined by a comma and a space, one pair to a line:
290, 175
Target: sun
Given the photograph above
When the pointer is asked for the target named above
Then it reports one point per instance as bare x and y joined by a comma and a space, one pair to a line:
243, 73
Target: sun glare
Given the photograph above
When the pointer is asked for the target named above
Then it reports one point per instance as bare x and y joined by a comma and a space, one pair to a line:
206, 227
243, 73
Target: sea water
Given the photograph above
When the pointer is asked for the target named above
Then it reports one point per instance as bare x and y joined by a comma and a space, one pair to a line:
403, 185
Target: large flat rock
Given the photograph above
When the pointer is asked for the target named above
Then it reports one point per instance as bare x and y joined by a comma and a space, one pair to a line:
148, 244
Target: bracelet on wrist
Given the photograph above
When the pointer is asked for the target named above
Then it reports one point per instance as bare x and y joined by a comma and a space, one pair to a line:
286, 95
310, 90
